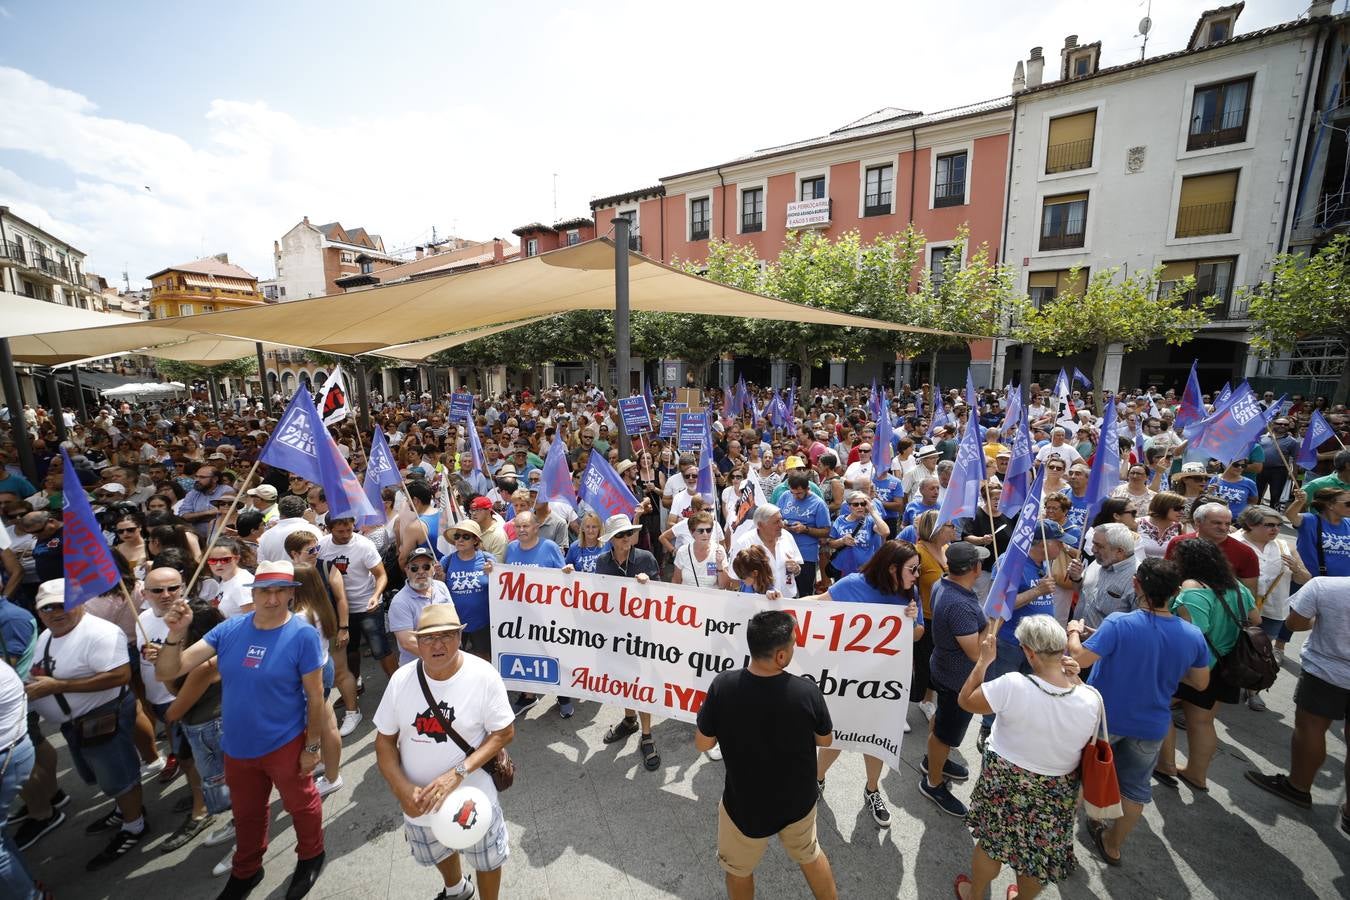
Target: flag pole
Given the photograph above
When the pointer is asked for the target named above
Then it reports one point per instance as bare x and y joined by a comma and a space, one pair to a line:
1276, 441
989, 508
220, 526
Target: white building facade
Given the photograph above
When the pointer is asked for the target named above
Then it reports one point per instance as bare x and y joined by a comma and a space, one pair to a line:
36, 264
1188, 161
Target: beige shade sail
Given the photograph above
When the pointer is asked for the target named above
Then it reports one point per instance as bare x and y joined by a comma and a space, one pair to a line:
368, 321
21, 315
420, 350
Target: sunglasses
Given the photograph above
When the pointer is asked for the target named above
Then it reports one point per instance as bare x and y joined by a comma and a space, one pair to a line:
702, 531
127, 530
421, 568
220, 560
170, 589
461, 536
913, 570
858, 503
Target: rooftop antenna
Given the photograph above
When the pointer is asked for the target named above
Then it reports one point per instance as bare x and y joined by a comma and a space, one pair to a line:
1145, 26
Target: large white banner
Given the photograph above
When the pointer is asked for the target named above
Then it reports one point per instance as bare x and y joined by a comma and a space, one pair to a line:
656, 647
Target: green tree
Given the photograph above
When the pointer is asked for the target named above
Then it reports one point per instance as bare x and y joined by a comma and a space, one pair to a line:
1305, 297
1130, 312
187, 373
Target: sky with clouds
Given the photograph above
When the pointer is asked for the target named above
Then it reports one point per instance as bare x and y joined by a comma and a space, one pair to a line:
149, 134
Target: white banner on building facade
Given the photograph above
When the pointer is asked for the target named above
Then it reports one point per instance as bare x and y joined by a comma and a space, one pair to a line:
656, 647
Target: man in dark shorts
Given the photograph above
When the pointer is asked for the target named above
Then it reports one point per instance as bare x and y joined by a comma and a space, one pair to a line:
1323, 693
769, 724
957, 622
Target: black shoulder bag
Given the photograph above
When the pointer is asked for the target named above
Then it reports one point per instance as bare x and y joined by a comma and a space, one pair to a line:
99, 725
500, 767
1250, 664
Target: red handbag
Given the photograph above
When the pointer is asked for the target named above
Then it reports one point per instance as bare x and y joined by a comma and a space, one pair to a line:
1101, 790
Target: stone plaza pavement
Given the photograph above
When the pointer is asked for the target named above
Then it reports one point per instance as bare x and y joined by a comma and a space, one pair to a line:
587, 821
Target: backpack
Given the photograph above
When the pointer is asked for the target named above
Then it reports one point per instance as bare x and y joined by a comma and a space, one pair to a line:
1250, 664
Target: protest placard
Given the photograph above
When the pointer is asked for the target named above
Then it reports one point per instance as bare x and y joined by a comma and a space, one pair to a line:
637, 418
656, 647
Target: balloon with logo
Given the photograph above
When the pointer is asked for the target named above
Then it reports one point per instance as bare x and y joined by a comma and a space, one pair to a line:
463, 818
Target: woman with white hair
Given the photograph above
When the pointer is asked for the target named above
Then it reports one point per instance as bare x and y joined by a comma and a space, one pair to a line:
1022, 809
856, 534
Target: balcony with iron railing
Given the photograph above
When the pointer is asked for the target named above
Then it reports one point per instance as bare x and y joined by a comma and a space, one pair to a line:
949, 193
1218, 130
1205, 218
1063, 240
50, 267
11, 252
1068, 156
877, 204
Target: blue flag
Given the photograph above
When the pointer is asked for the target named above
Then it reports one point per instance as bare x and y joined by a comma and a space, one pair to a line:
707, 484
728, 402
302, 446
742, 396
476, 450
1225, 393
1022, 458
292, 446
1317, 434
1190, 410
1003, 592
604, 491
883, 448
873, 402
381, 472
1105, 473
1231, 430
557, 478
791, 405
647, 395
1062, 385
88, 565
1082, 379
963, 491
972, 398
939, 414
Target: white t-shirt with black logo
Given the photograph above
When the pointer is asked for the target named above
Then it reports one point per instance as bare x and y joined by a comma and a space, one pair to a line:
156, 631
473, 701
354, 560
229, 597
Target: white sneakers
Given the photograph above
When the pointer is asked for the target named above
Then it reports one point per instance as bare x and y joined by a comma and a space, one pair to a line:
928, 708
326, 787
715, 752
221, 835
350, 720
223, 867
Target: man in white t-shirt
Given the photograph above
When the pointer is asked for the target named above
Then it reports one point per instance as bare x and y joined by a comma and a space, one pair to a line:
272, 545
424, 765
1058, 447
363, 580
784, 557
80, 666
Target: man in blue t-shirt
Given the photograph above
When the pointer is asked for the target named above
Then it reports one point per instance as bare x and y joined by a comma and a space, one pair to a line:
529, 549
807, 518
1076, 522
272, 716
1035, 596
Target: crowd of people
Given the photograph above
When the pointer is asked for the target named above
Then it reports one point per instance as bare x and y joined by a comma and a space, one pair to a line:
243, 608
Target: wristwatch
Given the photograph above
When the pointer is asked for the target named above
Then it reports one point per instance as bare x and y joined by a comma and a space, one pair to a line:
460, 771
311, 748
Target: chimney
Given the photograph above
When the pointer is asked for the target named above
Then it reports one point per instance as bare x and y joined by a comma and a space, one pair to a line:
1035, 67
306, 220
1319, 8
1019, 81
419, 253
222, 257
498, 252
1071, 42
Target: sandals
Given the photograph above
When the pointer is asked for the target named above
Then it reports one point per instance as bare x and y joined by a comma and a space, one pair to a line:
1097, 830
1165, 778
650, 758
1204, 789
1279, 786
621, 730
965, 879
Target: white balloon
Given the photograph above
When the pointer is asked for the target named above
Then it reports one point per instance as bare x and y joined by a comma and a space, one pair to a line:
463, 818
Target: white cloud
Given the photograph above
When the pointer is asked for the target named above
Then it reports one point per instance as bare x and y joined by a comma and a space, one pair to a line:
479, 159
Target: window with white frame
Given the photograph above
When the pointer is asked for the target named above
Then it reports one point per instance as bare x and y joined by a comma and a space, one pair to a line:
752, 210
532, 247
812, 188
878, 190
700, 218
949, 188
573, 237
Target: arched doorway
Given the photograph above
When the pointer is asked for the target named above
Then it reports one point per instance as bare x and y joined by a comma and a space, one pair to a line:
288, 383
